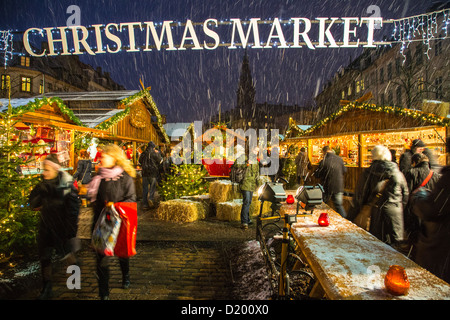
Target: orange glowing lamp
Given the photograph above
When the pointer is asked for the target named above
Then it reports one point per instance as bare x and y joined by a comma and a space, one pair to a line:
290, 199
323, 220
396, 281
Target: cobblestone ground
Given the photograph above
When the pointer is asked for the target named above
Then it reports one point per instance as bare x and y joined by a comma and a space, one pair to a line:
159, 271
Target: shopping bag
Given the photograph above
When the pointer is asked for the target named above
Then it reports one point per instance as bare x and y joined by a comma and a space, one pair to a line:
362, 220
106, 230
126, 240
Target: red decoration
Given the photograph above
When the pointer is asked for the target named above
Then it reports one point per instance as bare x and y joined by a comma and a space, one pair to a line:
323, 220
290, 199
396, 281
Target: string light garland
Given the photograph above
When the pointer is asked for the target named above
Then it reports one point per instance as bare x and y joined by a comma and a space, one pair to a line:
423, 27
6, 46
39, 103
415, 114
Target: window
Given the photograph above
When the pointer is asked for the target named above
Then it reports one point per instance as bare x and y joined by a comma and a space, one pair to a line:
420, 84
343, 94
398, 66
359, 86
419, 54
399, 95
389, 71
25, 61
4, 81
41, 87
26, 84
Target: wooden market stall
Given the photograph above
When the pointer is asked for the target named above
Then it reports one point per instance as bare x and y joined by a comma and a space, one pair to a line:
129, 117
48, 126
355, 129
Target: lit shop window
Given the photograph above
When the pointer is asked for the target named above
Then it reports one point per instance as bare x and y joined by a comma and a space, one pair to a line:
26, 84
25, 61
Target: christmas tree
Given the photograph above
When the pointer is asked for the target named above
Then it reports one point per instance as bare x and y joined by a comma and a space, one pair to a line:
185, 180
18, 224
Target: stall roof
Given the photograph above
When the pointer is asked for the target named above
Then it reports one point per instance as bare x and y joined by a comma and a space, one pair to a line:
16, 102
91, 95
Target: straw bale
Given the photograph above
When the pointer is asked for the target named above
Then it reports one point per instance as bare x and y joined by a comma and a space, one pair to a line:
204, 199
180, 210
223, 191
231, 210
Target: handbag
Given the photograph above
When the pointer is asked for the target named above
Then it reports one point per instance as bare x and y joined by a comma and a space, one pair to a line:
362, 220
126, 239
106, 230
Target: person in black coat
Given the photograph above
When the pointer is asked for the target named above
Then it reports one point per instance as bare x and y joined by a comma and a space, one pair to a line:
432, 249
387, 222
113, 183
57, 200
417, 146
84, 168
419, 173
151, 162
331, 172
83, 174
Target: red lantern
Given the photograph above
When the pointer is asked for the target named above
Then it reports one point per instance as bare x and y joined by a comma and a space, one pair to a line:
396, 281
323, 220
290, 199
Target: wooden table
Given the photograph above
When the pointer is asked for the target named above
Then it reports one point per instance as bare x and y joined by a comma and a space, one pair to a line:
350, 263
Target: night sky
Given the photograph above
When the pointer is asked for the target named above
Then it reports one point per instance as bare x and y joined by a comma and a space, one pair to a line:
189, 85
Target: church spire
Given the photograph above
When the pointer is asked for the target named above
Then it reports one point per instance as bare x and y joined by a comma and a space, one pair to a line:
246, 91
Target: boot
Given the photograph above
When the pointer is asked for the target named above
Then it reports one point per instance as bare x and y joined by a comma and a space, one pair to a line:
125, 267
46, 292
126, 281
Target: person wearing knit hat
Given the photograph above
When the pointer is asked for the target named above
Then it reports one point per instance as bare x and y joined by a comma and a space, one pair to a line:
57, 200
417, 146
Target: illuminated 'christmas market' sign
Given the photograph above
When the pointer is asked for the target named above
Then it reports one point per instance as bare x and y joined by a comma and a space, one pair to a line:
208, 35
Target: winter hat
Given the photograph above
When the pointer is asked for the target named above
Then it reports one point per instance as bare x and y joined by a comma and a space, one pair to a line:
151, 144
417, 143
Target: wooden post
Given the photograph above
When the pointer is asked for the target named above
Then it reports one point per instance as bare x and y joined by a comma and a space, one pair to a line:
134, 153
361, 147
72, 149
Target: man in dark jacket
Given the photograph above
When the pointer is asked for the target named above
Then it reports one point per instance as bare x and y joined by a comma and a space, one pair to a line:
57, 200
150, 161
331, 172
419, 173
432, 249
417, 146
387, 222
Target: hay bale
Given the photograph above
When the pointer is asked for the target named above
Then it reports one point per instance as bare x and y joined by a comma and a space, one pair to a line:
180, 210
229, 210
255, 206
223, 191
204, 199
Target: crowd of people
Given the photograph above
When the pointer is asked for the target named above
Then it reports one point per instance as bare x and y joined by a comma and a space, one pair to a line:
412, 212
409, 201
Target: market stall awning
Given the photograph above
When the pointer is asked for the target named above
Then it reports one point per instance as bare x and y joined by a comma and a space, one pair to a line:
45, 111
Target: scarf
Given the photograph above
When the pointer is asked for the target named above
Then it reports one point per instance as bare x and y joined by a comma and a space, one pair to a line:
103, 173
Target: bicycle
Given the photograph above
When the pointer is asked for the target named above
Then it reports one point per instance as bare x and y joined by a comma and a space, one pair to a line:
287, 269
